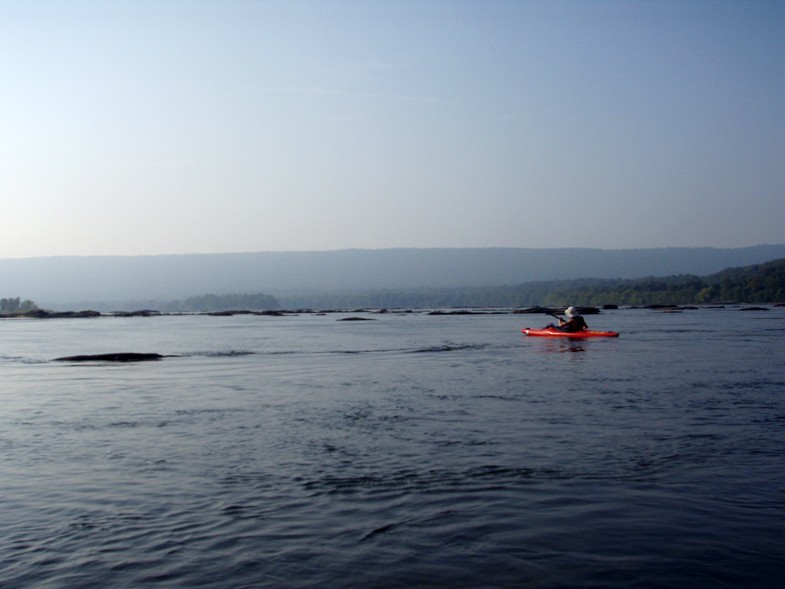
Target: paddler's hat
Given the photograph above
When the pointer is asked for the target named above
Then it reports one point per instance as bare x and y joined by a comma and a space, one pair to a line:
571, 312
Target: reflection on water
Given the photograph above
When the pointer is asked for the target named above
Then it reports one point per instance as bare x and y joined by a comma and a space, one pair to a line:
565, 345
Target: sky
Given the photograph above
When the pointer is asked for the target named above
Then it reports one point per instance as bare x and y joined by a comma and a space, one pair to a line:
202, 126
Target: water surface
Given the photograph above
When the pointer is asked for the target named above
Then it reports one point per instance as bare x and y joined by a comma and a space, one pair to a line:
407, 450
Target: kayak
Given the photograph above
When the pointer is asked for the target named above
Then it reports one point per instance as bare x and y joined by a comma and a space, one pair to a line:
553, 332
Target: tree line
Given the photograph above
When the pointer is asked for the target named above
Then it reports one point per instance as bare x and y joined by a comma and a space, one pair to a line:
16, 305
227, 302
761, 283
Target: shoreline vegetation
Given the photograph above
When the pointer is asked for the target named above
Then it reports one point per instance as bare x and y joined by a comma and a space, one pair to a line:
759, 284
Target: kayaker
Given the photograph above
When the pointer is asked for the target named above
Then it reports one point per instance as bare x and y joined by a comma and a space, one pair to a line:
575, 322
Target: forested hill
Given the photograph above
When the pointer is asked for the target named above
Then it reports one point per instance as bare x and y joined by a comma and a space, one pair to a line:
760, 283
66, 280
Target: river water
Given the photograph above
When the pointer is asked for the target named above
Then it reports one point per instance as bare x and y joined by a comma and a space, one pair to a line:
406, 450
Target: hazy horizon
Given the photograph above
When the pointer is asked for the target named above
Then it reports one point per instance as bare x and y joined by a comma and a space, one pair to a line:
393, 249
162, 127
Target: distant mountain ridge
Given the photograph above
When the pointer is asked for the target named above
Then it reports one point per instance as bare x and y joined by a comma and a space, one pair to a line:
67, 279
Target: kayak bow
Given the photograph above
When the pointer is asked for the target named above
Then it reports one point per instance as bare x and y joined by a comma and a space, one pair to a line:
554, 332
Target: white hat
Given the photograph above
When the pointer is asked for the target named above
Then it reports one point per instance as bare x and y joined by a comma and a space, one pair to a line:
571, 312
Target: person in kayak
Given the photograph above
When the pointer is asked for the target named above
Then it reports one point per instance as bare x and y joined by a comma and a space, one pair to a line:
575, 322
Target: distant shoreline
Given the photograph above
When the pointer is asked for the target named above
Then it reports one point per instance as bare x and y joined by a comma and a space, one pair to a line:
455, 311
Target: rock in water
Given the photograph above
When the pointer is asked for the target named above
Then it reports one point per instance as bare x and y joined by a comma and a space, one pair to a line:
117, 357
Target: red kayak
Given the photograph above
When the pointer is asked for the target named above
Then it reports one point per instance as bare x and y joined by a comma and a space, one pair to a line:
555, 332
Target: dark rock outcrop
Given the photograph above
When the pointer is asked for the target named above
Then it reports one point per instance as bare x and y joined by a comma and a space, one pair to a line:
116, 357
139, 313
534, 311
356, 319
42, 314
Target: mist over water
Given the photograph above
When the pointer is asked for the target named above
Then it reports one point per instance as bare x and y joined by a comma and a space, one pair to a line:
409, 450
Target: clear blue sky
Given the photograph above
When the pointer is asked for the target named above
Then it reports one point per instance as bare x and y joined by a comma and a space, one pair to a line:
164, 126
